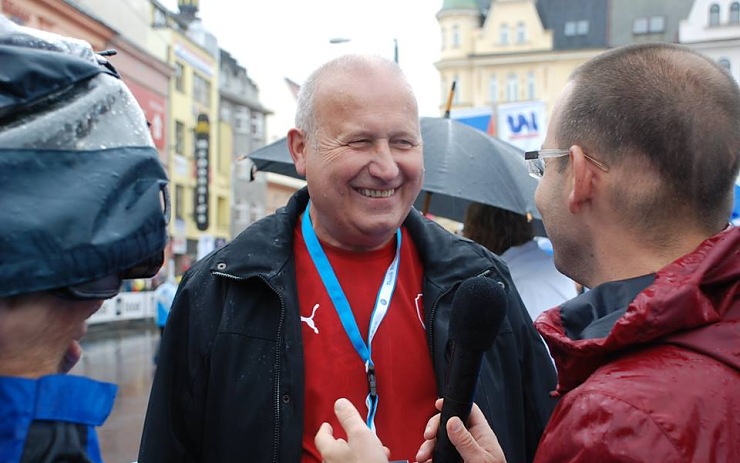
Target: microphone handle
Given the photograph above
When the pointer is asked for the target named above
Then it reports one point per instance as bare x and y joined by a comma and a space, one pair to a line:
444, 451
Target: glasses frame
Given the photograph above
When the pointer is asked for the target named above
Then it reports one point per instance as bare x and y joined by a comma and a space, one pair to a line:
536, 160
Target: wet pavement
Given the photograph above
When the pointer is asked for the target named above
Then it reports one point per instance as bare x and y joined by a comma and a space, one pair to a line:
121, 353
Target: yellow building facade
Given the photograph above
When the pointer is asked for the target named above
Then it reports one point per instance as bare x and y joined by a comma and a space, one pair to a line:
200, 171
506, 60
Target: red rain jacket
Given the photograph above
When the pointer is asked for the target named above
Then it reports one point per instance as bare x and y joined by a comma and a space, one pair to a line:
655, 376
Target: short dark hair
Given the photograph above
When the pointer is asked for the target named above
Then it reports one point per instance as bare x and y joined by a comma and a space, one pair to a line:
495, 228
667, 107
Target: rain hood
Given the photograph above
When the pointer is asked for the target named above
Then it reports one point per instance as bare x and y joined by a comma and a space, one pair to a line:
82, 190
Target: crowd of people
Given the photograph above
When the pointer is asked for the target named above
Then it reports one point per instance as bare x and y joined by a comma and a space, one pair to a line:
321, 332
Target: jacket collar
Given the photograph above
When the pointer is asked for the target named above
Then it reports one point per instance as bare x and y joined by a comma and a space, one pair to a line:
446, 258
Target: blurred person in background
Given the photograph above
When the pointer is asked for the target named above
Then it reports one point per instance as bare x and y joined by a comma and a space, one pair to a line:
510, 235
163, 297
83, 206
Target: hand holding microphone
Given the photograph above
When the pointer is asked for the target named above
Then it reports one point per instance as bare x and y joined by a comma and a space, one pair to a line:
478, 310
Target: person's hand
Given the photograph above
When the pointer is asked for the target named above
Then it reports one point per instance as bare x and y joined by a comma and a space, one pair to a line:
361, 444
478, 444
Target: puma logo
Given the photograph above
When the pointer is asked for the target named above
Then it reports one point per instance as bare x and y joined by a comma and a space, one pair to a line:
309, 320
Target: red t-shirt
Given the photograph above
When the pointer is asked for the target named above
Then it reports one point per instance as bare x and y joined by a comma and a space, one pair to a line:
405, 377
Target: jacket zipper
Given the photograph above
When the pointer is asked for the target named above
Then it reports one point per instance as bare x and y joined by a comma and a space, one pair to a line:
276, 433
430, 335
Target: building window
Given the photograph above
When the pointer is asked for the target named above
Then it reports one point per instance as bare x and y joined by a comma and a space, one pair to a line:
241, 118
512, 88
573, 28
455, 36
656, 24
444, 38
735, 13
521, 33
256, 123
201, 90
504, 34
179, 138
179, 206
652, 25
530, 86
570, 29
493, 88
640, 26
179, 77
714, 15
241, 212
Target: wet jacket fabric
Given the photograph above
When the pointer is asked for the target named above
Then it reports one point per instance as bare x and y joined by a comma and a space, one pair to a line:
650, 367
229, 385
52, 418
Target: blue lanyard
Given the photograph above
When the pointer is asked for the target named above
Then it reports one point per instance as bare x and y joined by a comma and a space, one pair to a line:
341, 305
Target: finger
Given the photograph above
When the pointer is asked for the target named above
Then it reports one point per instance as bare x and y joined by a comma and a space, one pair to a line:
484, 435
324, 438
463, 441
430, 431
476, 416
438, 404
425, 451
349, 418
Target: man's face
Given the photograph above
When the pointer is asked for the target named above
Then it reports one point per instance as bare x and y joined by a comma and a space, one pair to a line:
364, 166
551, 196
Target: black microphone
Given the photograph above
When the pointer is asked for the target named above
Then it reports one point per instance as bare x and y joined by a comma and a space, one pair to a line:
478, 310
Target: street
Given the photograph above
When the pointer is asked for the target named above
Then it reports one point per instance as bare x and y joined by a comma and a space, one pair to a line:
121, 353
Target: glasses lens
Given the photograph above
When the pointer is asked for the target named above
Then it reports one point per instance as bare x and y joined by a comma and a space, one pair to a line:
536, 167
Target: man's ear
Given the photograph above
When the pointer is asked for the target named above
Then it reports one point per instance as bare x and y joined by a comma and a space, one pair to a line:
297, 147
585, 177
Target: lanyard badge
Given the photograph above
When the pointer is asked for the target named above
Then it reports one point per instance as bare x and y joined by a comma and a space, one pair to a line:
341, 305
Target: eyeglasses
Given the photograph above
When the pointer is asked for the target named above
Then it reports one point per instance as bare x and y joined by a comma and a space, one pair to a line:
536, 160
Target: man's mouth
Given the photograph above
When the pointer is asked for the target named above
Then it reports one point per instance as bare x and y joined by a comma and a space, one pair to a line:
376, 193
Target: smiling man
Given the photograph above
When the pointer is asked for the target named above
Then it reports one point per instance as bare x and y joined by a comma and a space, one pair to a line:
345, 292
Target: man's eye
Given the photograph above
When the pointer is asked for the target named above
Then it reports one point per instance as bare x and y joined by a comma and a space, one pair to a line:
403, 144
358, 143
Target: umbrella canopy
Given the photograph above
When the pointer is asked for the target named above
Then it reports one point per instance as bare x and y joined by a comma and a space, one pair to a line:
462, 164
274, 158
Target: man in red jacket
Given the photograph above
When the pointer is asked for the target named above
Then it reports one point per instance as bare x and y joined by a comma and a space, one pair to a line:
642, 153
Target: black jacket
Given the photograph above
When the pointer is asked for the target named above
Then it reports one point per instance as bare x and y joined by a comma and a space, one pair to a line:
229, 384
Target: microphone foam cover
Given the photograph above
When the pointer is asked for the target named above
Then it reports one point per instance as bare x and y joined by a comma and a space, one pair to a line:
478, 310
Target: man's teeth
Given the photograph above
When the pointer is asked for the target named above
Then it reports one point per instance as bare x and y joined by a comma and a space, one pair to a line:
376, 193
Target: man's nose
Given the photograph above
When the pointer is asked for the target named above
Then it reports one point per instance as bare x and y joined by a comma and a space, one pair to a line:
384, 164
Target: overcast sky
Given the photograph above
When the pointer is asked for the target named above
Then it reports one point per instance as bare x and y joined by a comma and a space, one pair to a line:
274, 39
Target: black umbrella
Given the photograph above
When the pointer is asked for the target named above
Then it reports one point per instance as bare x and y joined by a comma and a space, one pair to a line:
274, 158
462, 164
